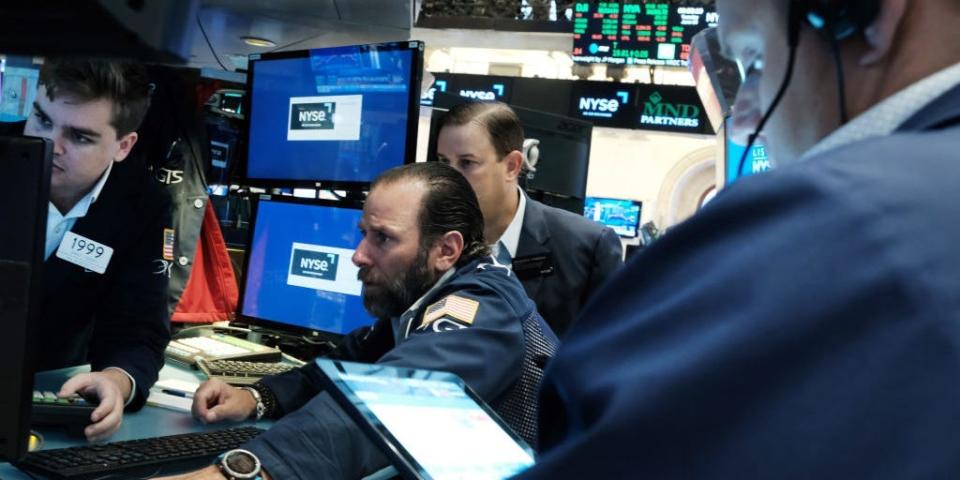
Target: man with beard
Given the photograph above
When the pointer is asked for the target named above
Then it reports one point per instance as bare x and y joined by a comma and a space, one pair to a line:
443, 303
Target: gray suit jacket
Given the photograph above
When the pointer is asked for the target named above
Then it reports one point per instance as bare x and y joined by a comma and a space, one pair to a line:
561, 259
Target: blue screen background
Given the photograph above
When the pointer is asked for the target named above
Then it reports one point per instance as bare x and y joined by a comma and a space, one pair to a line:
622, 216
266, 292
382, 77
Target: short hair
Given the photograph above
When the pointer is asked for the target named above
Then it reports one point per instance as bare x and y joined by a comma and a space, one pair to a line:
449, 204
498, 119
125, 84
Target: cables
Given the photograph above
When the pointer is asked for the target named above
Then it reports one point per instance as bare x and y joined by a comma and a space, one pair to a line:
841, 85
205, 37
773, 106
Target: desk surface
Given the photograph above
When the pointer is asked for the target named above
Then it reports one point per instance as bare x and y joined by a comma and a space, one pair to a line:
149, 422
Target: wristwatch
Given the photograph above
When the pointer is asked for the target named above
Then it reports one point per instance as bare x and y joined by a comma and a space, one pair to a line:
239, 464
261, 408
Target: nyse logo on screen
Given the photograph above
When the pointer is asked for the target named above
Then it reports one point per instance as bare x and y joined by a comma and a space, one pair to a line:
323, 268
315, 264
602, 107
312, 116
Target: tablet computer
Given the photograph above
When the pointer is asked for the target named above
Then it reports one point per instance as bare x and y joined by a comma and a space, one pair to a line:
429, 423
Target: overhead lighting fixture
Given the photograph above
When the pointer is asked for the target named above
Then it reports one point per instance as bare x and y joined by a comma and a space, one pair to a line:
258, 42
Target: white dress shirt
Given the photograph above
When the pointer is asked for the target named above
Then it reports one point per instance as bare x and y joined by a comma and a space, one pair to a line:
59, 224
511, 236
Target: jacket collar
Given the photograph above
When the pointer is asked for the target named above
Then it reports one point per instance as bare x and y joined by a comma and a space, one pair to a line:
941, 113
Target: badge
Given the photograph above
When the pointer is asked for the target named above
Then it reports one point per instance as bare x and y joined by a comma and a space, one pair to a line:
533, 266
82, 251
452, 306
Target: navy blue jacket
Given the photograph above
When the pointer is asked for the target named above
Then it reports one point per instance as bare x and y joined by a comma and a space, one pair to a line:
562, 259
118, 319
316, 439
805, 324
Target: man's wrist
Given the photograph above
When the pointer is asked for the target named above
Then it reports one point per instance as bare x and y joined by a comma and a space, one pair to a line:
123, 380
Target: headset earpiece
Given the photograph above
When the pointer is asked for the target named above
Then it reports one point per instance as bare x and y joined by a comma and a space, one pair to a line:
531, 154
840, 19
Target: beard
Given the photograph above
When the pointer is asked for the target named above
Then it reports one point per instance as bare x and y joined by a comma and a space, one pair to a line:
389, 298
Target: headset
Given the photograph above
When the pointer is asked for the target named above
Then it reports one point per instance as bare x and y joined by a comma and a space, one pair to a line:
836, 21
531, 153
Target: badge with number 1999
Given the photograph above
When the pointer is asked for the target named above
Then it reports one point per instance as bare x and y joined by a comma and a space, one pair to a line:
82, 251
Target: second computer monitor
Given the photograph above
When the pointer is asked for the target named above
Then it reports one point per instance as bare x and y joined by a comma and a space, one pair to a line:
336, 117
623, 216
298, 273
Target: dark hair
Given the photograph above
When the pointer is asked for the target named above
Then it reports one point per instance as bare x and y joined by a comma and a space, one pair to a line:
498, 119
124, 84
449, 204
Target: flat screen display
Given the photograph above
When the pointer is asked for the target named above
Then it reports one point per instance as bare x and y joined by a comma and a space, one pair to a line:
623, 216
299, 272
335, 115
430, 423
654, 33
755, 162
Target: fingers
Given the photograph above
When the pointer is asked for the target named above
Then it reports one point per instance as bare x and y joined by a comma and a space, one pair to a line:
106, 420
210, 394
77, 384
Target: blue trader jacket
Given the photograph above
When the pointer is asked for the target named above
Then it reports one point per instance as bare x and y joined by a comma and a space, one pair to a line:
473, 323
804, 324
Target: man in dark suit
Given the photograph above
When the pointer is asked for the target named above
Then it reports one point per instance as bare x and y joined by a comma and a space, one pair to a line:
107, 232
805, 323
560, 258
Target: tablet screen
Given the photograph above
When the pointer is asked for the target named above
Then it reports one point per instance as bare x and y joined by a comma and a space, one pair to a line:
430, 422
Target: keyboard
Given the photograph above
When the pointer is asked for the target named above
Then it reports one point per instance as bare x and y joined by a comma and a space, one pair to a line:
219, 347
137, 458
71, 413
237, 372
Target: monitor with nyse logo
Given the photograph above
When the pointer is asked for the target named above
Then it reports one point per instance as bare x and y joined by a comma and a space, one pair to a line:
331, 117
298, 274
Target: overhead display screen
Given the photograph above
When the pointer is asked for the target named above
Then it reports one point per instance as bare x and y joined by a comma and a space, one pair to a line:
637, 34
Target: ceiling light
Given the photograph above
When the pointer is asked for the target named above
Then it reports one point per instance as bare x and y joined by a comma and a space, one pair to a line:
258, 42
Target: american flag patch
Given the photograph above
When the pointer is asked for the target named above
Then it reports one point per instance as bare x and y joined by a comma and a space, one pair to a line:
453, 306
169, 236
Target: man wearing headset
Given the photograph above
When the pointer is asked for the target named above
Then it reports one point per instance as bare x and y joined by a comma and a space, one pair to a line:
806, 323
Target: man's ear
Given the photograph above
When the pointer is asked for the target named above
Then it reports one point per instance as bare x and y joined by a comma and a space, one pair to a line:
514, 163
447, 250
881, 33
126, 144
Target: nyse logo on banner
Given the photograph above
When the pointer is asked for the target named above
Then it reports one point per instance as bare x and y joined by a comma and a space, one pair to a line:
321, 267
603, 107
660, 113
496, 91
312, 116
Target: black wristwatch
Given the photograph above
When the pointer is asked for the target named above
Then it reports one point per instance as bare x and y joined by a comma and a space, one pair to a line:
239, 464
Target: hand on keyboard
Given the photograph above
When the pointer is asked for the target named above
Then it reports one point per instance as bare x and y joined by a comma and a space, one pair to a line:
217, 401
108, 388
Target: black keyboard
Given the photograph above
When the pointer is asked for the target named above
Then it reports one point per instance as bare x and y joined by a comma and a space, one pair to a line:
71, 413
144, 457
238, 372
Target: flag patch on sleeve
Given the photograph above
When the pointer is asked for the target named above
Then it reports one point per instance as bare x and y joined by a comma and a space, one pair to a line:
169, 236
453, 306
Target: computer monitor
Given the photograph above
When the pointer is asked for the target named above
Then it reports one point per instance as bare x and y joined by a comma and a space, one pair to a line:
623, 216
24, 193
563, 152
332, 118
755, 162
298, 274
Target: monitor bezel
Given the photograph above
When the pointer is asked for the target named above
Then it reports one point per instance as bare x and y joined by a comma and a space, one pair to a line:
413, 116
639, 204
378, 433
254, 211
